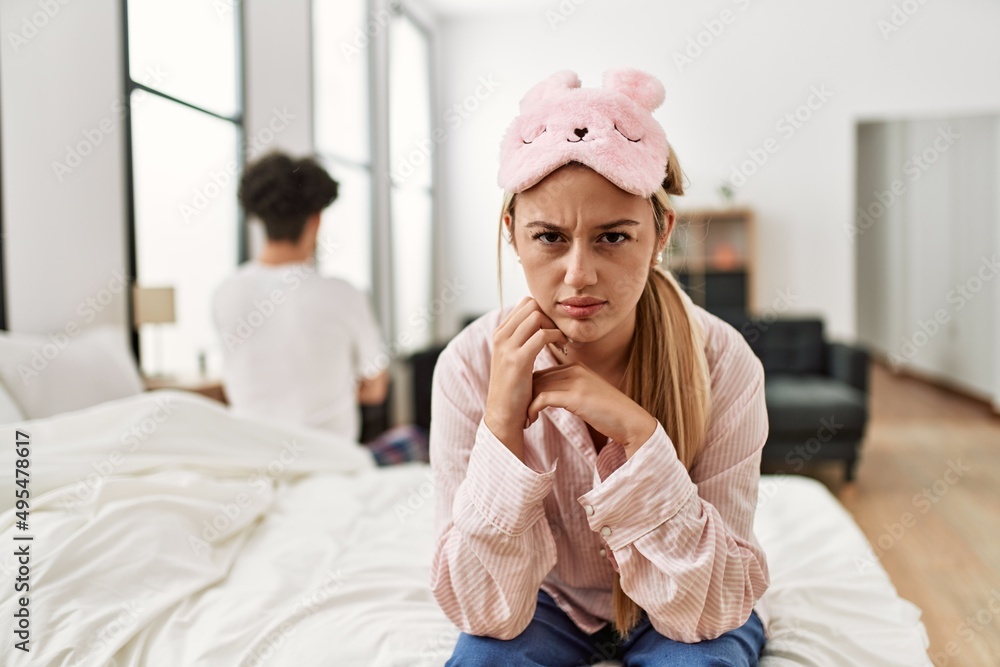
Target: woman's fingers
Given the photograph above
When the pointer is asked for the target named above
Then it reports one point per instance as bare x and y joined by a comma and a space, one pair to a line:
533, 321
529, 324
542, 337
526, 309
548, 383
544, 382
517, 341
516, 318
564, 369
551, 398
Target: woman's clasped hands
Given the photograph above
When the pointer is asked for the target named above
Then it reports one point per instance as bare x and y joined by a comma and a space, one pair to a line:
517, 393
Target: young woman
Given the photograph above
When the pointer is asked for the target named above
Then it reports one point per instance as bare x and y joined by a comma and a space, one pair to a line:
596, 447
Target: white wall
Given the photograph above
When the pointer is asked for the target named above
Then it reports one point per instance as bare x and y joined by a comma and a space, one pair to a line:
65, 233
762, 66
928, 271
65, 239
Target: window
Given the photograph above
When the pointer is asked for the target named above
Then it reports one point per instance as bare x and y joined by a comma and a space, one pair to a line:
185, 143
411, 152
343, 139
374, 130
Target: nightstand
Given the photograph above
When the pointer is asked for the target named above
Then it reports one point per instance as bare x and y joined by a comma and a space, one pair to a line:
212, 388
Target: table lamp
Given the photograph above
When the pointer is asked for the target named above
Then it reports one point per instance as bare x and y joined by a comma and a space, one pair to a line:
154, 305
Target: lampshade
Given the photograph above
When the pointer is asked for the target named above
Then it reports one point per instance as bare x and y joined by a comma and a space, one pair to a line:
153, 305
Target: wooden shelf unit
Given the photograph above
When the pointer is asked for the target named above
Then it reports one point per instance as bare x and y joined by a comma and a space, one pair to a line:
712, 252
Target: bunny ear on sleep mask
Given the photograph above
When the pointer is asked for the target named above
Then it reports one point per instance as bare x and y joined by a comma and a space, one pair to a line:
610, 129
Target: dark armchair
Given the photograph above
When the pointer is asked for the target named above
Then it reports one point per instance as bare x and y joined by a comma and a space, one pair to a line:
816, 392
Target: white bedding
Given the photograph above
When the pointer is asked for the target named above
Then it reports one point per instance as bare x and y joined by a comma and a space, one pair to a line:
326, 561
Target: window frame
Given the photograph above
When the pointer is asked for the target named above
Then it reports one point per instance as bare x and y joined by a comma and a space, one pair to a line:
238, 120
403, 9
379, 161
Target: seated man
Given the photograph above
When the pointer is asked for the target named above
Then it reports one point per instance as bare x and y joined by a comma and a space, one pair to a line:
297, 346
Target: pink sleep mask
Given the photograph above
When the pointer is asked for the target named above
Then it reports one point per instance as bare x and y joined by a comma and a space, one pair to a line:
610, 129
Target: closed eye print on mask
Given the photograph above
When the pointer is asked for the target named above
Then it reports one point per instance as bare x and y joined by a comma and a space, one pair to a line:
634, 141
544, 129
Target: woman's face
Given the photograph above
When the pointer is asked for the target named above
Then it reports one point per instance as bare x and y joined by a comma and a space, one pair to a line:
586, 247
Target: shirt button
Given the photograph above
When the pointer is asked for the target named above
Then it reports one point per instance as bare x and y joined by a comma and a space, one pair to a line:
589, 509
604, 553
606, 531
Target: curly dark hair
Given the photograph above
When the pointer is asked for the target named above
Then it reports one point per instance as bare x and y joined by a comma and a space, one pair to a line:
283, 192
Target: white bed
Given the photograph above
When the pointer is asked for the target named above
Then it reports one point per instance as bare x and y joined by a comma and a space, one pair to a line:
328, 563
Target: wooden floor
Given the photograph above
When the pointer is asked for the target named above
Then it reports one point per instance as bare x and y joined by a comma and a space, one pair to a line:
927, 495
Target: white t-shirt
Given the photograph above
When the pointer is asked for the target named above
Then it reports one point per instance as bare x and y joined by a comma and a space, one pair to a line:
293, 344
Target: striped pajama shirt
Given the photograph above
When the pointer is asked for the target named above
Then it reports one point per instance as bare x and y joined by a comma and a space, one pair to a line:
567, 518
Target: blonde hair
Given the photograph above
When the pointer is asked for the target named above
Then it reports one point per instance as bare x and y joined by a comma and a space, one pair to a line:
667, 372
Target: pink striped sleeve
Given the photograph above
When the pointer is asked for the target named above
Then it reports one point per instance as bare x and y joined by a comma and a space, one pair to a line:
492, 550
683, 544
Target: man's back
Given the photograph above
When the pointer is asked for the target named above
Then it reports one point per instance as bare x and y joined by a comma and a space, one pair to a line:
294, 343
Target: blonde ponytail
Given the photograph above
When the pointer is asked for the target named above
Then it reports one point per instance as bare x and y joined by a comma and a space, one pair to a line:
667, 372
668, 377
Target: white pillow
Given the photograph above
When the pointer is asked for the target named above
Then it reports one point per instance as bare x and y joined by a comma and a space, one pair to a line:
47, 375
9, 412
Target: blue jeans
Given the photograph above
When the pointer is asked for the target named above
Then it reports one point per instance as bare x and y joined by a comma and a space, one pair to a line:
552, 640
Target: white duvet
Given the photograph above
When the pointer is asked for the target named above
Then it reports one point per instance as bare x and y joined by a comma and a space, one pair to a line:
169, 532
